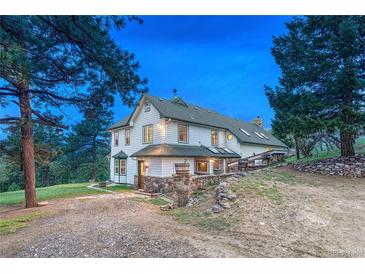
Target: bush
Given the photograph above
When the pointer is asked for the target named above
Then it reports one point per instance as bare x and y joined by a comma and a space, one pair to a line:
14, 187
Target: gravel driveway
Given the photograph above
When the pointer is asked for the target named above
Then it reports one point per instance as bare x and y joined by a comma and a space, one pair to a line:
316, 219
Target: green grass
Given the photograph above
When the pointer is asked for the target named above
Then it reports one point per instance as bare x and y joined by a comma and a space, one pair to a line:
200, 219
359, 147
120, 188
158, 202
10, 225
54, 192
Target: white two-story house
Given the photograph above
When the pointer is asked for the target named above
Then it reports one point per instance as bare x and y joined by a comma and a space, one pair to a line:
160, 133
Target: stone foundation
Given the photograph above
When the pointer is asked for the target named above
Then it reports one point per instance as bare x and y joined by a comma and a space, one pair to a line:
158, 184
341, 166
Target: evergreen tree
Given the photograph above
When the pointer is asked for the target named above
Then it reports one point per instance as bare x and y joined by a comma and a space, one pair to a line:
52, 60
324, 56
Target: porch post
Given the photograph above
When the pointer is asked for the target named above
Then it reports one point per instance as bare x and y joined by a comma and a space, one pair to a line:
119, 171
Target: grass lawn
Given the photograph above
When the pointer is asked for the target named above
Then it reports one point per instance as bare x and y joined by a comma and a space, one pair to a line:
57, 191
10, 225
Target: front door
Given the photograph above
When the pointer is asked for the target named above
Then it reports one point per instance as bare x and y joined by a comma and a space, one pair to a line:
141, 173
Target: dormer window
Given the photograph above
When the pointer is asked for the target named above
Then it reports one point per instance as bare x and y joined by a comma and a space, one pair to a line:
147, 106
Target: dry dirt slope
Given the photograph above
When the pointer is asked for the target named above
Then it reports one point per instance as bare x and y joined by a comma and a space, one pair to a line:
278, 213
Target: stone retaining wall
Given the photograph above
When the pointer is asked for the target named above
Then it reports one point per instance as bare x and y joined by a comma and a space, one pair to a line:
158, 184
341, 166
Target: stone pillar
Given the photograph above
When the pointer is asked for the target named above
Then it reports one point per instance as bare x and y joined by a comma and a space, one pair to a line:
182, 189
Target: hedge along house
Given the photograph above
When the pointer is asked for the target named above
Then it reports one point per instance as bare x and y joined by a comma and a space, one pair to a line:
163, 135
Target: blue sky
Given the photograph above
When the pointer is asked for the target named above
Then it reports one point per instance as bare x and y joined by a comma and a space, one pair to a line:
217, 62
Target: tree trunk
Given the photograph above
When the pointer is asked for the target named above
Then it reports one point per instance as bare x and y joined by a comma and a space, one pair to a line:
28, 148
297, 148
95, 162
347, 144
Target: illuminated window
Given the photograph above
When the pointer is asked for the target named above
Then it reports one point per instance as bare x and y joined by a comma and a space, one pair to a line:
122, 167
214, 138
229, 136
202, 166
127, 137
217, 165
116, 138
147, 134
182, 132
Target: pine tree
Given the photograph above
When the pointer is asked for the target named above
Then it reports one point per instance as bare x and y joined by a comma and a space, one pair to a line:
324, 56
52, 60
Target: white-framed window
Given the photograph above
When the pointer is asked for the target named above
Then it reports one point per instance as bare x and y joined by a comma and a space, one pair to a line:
245, 132
202, 166
182, 133
123, 169
116, 166
214, 137
217, 164
147, 134
116, 138
147, 106
127, 140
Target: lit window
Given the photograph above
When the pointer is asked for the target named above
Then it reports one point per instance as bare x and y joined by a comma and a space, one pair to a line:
229, 136
147, 107
202, 166
127, 137
122, 167
116, 138
258, 134
147, 134
217, 165
245, 132
116, 166
182, 132
214, 138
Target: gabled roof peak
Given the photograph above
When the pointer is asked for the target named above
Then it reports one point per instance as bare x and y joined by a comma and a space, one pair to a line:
178, 100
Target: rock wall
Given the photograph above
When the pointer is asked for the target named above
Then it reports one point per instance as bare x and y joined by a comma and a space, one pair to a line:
158, 184
341, 166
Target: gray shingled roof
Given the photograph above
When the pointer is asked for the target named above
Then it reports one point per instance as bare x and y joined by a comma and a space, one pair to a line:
166, 150
122, 123
179, 110
120, 155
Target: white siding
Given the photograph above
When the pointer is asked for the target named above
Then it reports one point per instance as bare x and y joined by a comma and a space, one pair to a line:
168, 165
143, 118
249, 150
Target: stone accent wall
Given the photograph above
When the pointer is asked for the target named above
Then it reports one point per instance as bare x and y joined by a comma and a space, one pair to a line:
202, 181
158, 184
341, 166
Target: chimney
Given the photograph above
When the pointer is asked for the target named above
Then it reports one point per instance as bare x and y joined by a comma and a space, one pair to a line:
258, 121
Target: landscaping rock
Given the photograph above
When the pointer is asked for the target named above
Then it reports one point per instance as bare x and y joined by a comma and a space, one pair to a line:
216, 208
341, 166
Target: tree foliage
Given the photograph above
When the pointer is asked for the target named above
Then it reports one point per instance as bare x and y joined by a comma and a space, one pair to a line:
322, 84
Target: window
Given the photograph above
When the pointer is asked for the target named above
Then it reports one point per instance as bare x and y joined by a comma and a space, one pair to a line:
127, 137
214, 138
182, 132
147, 134
245, 132
147, 106
116, 166
116, 138
229, 136
217, 165
123, 167
202, 166
264, 135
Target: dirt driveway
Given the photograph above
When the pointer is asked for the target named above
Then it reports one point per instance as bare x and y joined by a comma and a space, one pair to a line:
326, 219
